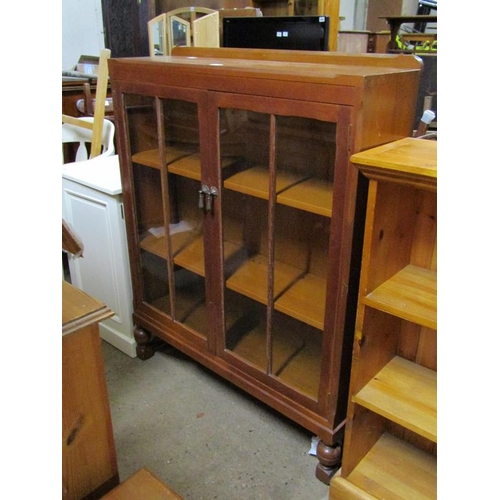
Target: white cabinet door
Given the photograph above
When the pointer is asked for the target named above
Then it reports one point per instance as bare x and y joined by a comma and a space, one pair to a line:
103, 272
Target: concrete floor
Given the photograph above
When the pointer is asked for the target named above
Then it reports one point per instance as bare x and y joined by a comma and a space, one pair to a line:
203, 436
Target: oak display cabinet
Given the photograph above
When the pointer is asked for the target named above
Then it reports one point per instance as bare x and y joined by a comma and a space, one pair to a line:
244, 213
390, 444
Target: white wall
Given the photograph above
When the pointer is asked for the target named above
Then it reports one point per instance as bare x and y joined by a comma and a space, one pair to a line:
82, 30
347, 10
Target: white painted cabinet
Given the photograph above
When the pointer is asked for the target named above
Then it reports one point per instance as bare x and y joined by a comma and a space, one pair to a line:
92, 205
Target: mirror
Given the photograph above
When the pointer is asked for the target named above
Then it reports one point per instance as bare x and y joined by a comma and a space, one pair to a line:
157, 35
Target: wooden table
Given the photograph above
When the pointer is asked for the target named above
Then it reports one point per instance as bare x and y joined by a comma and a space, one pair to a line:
395, 23
89, 466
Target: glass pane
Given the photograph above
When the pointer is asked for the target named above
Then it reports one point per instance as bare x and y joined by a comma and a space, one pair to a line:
170, 226
185, 229
275, 309
305, 153
245, 137
141, 119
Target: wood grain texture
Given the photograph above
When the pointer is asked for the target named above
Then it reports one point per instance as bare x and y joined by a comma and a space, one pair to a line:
142, 485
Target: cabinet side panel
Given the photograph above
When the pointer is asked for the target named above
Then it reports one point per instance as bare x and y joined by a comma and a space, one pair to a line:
424, 253
389, 104
375, 345
418, 344
393, 228
412, 438
364, 428
88, 449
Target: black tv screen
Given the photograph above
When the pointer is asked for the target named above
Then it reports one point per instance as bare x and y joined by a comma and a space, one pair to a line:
276, 32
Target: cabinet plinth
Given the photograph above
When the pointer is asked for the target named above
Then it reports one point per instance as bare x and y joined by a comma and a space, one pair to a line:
244, 215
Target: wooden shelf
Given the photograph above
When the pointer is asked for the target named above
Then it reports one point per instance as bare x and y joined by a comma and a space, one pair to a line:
190, 310
404, 393
394, 469
151, 157
158, 245
191, 257
187, 248
250, 279
411, 294
303, 295
312, 195
252, 347
295, 362
188, 166
304, 370
305, 300
255, 181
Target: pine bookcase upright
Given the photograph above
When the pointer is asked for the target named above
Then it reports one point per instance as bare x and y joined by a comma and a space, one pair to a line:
391, 432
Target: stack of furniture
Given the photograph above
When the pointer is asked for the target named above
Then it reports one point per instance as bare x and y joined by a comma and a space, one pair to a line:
391, 432
244, 214
185, 27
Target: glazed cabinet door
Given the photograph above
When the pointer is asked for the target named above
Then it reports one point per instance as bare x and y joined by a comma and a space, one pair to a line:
276, 201
166, 158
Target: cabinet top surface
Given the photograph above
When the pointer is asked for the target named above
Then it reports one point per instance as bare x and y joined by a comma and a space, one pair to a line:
316, 67
407, 156
80, 309
100, 173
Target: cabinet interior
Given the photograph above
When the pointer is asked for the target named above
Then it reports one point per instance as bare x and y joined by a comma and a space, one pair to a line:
293, 158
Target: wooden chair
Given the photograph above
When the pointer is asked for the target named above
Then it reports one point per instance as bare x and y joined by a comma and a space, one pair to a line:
96, 125
82, 137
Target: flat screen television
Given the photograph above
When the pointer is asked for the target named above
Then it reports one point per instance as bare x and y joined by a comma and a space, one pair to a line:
276, 32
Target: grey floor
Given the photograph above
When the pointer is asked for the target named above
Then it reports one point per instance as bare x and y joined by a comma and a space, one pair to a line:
203, 436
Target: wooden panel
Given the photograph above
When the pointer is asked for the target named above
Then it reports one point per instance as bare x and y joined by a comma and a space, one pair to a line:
405, 393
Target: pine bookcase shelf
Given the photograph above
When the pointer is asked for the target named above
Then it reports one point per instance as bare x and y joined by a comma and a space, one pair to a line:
405, 393
410, 294
392, 468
